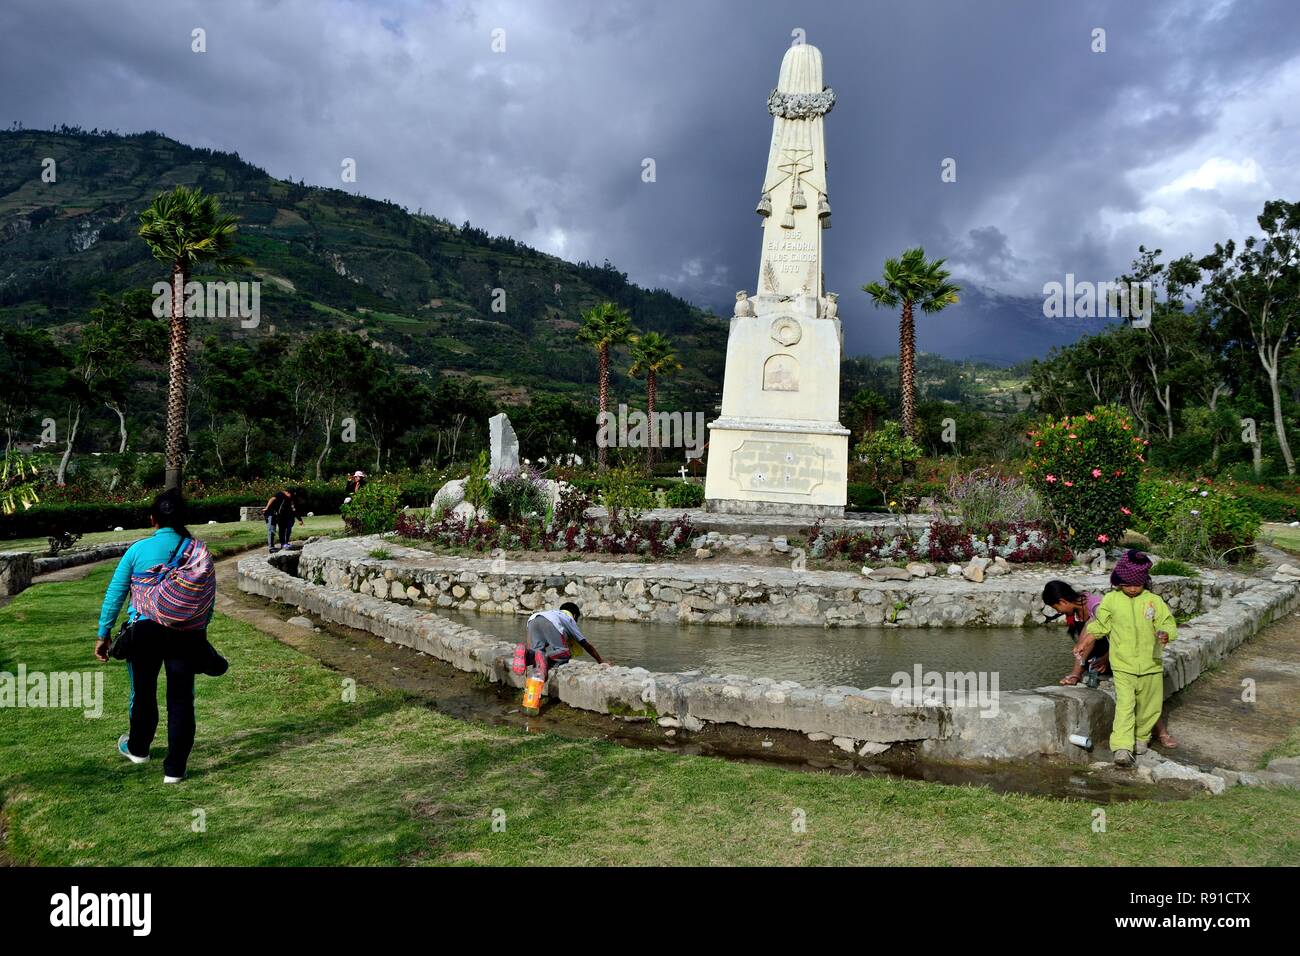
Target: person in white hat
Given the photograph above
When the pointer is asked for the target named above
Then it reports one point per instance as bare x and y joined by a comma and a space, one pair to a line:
354, 485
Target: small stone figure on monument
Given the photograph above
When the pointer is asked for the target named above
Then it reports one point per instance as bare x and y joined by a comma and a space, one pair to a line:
744, 308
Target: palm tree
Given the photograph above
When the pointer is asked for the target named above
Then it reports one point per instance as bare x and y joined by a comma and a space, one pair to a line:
910, 281
602, 327
653, 355
185, 229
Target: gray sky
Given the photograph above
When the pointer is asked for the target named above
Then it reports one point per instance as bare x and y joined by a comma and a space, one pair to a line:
1066, 159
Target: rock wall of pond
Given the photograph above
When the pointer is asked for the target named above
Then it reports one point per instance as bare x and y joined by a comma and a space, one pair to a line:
1010, 725
712, 593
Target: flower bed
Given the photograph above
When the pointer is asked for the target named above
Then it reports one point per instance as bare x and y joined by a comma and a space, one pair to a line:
946, 542
655, 538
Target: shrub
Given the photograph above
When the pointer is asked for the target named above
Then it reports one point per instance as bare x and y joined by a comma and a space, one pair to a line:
1268, 504
888, 453
1086, 468
373, 509
623, 494
985, 500
516, 493
864, 497
1195, 521
572, 506
1176, 568
685, 495
478, 490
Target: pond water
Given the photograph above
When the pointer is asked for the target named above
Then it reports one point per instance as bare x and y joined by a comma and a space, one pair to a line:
853, 657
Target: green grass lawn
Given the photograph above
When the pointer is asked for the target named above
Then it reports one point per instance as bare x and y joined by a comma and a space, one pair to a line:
285, 772
221, 538
1280, 535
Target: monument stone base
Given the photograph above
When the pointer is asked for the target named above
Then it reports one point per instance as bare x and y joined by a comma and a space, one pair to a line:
777, 467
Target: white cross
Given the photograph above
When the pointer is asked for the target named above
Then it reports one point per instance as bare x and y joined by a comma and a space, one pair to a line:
682, 471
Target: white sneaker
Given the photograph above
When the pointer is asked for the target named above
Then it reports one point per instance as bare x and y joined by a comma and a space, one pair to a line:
1140, 748
167, 779
121, 748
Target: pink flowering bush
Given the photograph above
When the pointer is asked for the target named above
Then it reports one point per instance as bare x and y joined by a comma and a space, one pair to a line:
1086, 467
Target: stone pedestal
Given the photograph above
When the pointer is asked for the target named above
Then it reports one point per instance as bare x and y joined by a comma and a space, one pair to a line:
779, 447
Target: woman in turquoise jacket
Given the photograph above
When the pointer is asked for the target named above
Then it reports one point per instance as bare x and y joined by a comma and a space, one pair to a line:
153, 647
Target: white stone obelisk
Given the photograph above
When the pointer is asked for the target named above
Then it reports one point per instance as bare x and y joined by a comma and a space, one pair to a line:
778, 446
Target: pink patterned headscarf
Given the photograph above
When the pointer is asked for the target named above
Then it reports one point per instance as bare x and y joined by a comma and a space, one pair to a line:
1133, 567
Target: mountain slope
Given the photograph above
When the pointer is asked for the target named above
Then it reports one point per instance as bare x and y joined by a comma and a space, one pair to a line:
417, 286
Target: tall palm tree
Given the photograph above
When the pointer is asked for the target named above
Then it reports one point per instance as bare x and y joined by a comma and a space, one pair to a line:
604, 326
653, 355
185, 229
909, 281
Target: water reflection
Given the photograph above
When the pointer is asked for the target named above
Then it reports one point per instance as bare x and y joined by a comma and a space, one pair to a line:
854, 657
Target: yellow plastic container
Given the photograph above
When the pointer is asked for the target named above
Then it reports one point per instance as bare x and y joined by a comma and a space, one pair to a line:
533, 688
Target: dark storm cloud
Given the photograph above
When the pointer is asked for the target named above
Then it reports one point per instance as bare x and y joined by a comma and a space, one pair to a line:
1066, 159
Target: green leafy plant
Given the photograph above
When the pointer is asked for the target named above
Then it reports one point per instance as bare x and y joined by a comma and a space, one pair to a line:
478, 490
380, 554
1086, 468
623, 494
984, 500
1175, 568
888, 453
373, 509
516, 494
1195, 521
685, 495
19, 479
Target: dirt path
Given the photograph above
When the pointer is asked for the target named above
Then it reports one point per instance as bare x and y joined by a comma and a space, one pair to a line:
1216, 728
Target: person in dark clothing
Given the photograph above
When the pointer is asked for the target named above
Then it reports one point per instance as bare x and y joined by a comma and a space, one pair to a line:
355, 481
281, 511
184, 653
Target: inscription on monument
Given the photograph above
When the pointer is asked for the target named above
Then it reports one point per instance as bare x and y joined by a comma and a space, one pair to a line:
778, 467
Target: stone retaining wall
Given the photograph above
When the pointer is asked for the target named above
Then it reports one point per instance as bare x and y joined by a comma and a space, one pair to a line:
15, 572
710, 593
1024, 724
72, 559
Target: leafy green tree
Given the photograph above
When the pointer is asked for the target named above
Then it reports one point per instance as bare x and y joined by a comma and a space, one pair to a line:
121, 334
909, 281
1257, 288
889, 453
185, 229
390, 402
30, 369
334, 367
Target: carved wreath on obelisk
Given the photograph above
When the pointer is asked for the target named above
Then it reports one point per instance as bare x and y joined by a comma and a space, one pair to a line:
800, 105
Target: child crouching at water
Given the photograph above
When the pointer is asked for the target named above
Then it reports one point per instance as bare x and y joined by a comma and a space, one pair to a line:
1079, 608
1138, 624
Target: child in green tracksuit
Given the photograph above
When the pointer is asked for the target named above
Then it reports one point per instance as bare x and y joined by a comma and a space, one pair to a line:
1138, 625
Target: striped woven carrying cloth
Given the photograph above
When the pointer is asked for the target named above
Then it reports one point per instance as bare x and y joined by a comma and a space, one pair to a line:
180, 593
